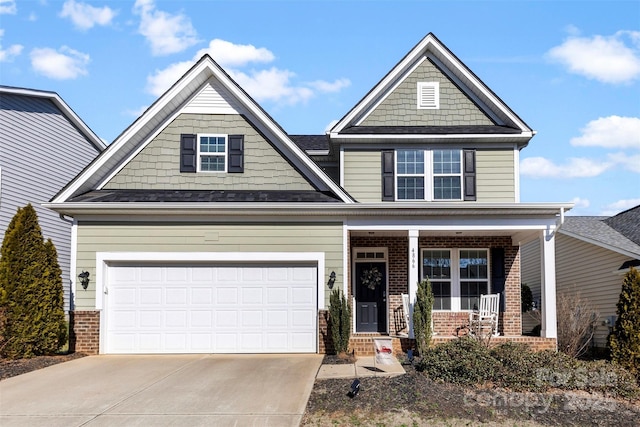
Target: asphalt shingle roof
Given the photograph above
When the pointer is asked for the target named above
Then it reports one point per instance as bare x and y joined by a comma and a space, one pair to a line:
203, 196
596, 228
627, 223
311, 142
429, 130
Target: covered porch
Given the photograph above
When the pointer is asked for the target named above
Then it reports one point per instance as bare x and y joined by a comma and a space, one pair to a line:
463, 258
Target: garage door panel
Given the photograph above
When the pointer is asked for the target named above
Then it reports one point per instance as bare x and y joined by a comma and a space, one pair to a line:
217, 309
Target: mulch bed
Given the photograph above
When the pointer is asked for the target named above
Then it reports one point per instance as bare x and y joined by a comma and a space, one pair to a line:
10, 368
415, 399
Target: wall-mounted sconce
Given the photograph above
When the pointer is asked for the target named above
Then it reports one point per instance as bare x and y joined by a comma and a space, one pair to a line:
84, 279
332, 279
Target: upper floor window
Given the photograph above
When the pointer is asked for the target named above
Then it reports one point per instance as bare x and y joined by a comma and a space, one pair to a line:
212, 153
429, 174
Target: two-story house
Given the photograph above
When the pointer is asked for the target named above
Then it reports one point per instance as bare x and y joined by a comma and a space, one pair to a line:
43, 145
205, 227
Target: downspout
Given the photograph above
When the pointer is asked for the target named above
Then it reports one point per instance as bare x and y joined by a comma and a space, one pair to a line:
72, 260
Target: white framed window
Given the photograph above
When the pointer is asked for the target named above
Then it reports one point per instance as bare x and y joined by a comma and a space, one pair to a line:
434, 174
428, 95
212, 153
458, 277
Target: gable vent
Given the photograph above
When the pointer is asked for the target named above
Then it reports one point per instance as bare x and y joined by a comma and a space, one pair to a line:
428, 95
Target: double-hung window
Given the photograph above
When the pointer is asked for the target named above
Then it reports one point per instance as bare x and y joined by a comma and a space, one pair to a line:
458, 277
429, 174
212, 153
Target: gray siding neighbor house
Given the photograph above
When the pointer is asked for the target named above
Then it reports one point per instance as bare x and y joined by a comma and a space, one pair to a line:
206, 228
43, 145
592, 255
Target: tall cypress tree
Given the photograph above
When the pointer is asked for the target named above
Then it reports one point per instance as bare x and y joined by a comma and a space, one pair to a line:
624, 340
30, 290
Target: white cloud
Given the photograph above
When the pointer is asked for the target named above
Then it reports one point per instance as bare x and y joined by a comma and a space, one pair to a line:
32, 17
620, 206
539, 167
8, 7
610, 132
271, 84
329, 87
629, 162
228, 54
9, 53
85, 16
137, 112
580, 203
166, 33
162, 80
609, 59
62, 65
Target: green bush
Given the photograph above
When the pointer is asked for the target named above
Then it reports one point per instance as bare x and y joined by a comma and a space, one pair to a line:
624, 341
422, 329
31, 295
339, 321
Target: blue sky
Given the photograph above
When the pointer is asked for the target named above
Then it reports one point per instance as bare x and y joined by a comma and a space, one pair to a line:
570, 69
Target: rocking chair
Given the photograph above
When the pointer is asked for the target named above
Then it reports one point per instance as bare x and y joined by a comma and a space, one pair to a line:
484, 321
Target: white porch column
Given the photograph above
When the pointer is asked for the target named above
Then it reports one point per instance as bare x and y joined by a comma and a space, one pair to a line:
548, 284
414, 277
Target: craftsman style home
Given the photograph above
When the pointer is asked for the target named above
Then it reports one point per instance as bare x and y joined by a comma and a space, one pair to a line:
205, 227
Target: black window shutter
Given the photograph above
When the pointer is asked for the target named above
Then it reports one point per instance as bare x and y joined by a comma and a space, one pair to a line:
469, 175
235, 160
188, 152
388, 180
498, 276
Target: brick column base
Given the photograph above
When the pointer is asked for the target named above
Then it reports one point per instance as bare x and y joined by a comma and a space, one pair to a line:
85, 332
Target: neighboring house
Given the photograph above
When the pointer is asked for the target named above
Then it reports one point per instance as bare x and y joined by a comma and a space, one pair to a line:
592, 255
43, 145
205, 227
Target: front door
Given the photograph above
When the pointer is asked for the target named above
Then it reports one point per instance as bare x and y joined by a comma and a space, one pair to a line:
371, 297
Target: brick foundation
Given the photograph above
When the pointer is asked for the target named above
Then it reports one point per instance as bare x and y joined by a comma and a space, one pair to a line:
85, 331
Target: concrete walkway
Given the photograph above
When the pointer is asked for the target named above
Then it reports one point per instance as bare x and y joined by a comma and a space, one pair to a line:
364, 367
162, 390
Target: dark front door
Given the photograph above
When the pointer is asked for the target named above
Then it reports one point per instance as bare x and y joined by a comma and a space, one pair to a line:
371, 297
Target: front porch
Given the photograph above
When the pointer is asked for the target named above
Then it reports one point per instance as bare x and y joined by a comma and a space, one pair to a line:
467, 263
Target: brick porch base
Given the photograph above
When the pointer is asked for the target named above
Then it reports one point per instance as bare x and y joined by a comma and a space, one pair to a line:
85, 331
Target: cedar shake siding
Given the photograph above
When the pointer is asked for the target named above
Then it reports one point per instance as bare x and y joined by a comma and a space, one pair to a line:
157, 166
400, 108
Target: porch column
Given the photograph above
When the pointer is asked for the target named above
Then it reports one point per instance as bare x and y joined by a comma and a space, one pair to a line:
414, 258
548, 284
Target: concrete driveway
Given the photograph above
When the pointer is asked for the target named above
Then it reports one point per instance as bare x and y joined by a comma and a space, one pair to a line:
163, 390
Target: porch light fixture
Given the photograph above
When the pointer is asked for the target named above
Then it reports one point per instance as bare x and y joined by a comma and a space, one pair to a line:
332, 279
84, 279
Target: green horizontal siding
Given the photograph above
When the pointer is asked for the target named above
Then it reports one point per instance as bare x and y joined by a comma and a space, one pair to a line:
267, 237
495, 176
362, 175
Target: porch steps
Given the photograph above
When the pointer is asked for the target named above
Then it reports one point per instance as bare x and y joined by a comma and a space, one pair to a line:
362, 344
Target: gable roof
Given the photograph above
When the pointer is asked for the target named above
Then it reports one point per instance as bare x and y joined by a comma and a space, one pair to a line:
61, 106
597, 231
133, 139
627, 223
508, 126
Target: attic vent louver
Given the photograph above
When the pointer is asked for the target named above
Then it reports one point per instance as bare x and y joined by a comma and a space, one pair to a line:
428, 95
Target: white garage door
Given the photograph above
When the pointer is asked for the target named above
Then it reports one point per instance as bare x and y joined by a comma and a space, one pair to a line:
211, 309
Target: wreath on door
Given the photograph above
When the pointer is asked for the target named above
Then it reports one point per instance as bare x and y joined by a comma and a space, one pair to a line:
371, 278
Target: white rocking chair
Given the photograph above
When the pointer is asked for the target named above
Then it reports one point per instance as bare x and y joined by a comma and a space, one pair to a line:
484, 321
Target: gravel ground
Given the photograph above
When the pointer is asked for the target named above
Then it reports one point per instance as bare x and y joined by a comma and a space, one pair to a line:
415, 400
